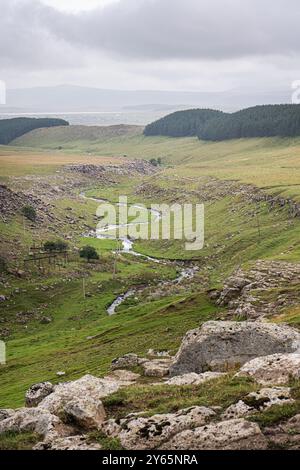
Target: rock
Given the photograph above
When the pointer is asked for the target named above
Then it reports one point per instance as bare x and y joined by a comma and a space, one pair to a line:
194, 379
6, 413
157, 367
60, 373
276, 369
67, 443
237, 410
2, 298
236, 434
220, 345
258, 401
123, 375
37, 393
285, 435
140, 433
127, 361
86, 386
45, 320
85, 412
35, 420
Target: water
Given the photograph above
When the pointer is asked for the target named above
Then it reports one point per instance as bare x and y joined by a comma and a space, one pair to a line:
101, 118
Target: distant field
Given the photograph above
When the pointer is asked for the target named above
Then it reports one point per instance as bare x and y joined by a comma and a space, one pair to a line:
278, 159
19, 161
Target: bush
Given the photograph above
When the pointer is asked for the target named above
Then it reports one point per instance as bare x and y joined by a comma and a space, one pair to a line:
88, 252
29, 212
3, 265
58, 245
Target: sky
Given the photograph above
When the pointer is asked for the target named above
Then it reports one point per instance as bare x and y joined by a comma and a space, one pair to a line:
192, 45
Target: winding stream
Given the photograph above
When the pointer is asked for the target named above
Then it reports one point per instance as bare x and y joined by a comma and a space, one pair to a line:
127, 247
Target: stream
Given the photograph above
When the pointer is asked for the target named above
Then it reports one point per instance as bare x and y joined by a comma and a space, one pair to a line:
127, 247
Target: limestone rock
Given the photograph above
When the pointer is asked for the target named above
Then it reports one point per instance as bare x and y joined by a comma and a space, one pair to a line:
285, 435
36, 420
194, 379
127, 361
124, 376
157, 367
219, 345
276, 369
6, 413
237, 434
87, 385
237, 410
149, 433
67, 443
37, 393
85, 412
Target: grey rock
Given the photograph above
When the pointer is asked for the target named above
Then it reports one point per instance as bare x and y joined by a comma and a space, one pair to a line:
37, 393
219, 346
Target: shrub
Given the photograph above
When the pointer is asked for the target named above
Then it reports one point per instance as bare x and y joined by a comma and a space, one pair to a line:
88, 252
29, 212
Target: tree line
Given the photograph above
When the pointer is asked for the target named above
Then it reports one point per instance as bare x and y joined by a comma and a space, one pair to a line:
10, 129
258, 121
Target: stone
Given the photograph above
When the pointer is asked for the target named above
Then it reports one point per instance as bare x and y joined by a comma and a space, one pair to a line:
140, 433
194, 379
45, 320
258, 401
60, 373
35, 420
67, 443
88, 385
222, 345
84, 412
236, 434
123, 375
2, 298
157, 367
285, 435
275, 369
37, 393
6, 413
127, 361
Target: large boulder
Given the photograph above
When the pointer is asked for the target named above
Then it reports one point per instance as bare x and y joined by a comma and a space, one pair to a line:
236, 434
85, 412
275, 369
138, 433
157, 367
86, 386
219, 346
37, 393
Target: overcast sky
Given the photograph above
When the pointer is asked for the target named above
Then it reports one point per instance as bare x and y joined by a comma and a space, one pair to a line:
203, 45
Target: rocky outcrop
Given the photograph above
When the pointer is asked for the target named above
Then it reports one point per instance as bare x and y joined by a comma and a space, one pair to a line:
259, 401
67, 443
133, 167
219, 346
244, 292
157, 367
149, 433
84, 412
285, 435
37, 393
237, 434
194, 379
275, 369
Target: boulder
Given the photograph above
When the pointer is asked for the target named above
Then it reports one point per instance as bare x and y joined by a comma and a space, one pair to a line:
221, 345
236, 434
84, 412
127, 361
126, 377
6, 413
86, 386
67, 443
157, 367
194, 379
138, 433
37, 393
276, 369
35, 420
258, 401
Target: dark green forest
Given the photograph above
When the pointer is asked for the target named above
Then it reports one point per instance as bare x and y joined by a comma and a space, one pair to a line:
10, 129
182, 123
259, 121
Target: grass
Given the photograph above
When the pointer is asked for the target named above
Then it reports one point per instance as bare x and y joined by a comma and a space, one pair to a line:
169, 399
17, 441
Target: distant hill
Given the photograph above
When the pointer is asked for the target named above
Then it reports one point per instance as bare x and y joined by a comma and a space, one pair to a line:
182, 123
10, 129
73, 136
259, 121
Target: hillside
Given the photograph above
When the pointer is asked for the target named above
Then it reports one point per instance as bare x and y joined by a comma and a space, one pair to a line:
72, 136
182, 123
11, 129
259, 121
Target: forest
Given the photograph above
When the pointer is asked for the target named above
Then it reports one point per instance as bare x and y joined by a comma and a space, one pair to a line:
10, 129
